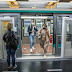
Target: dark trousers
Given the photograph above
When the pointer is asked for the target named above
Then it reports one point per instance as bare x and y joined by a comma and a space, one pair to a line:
10, 52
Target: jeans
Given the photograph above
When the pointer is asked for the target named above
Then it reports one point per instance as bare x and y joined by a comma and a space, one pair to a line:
31, 37
10, 52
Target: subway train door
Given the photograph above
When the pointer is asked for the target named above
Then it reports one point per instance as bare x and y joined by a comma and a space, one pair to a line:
66, 37
3, 23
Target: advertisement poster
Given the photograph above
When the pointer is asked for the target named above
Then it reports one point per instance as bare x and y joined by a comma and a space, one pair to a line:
4, 26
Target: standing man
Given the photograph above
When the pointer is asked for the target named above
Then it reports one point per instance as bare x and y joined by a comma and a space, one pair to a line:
32, 31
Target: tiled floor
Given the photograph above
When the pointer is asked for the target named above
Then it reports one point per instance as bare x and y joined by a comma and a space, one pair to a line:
40, 66
38, 49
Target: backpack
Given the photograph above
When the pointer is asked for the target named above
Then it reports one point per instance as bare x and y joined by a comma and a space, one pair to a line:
11, 41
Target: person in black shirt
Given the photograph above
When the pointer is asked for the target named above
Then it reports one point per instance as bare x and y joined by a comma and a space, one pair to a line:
11, 45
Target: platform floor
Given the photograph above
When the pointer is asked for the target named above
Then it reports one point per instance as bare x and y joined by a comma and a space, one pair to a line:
40, 66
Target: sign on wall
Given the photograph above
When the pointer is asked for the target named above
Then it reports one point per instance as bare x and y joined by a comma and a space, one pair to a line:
4, 26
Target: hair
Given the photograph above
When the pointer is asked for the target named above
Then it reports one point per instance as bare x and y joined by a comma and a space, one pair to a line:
9, 25
44, 25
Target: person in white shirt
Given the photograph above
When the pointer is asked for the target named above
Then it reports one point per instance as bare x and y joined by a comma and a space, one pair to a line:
32, 30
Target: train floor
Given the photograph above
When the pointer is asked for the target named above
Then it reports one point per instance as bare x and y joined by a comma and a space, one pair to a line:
36, 50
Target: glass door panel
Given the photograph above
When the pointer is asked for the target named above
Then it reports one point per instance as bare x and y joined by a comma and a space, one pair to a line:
68, 40
66, 50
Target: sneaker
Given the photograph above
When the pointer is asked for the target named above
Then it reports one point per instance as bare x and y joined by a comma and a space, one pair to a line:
9, 66
44, 56
14, 67
33, 48
30, 50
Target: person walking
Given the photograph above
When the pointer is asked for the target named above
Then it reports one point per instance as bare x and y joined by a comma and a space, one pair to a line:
32, 31
11, 45
43, 36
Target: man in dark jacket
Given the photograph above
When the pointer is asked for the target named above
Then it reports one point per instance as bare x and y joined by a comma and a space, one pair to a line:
11, 49
32, 32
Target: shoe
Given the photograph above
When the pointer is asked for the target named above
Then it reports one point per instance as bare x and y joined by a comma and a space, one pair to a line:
44, 56
14, 67
31, 50
9, 66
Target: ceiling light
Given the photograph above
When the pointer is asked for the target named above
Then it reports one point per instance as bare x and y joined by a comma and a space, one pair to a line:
70, 1
34, 17
44, 0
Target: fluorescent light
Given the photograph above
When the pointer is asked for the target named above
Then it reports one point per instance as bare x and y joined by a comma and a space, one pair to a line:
34, 17
44, 0
70, 1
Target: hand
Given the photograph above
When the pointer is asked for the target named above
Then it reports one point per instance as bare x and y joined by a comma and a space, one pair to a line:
34, 26
39, 37
32, 31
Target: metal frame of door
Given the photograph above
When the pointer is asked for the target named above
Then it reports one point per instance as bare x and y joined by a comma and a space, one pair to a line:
63, 41
1, 20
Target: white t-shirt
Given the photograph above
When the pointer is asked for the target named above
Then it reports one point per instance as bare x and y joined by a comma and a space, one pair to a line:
33, 30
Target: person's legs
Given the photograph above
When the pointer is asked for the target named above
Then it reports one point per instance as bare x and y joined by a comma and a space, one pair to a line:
30, 37
33, 41
13, 56
8, 55
42, 44
45, 48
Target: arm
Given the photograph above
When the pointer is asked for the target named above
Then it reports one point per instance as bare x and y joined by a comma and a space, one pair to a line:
14, 36
29, 29
35, 29
39, 34
48, 33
